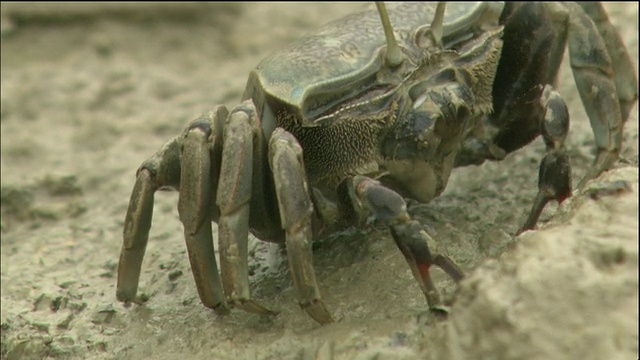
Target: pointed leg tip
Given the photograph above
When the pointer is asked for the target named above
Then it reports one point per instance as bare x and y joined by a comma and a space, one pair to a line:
440, 309
318, 311
123, 296
254, 307
523, 230
222, 309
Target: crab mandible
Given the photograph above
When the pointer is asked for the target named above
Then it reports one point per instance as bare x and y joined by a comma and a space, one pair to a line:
349, 120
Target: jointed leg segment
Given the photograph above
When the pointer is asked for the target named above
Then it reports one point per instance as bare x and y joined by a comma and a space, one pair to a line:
234, 195
296, 209
604, 75
195, 206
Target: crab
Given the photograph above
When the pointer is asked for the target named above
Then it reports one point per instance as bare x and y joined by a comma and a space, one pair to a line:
346, 123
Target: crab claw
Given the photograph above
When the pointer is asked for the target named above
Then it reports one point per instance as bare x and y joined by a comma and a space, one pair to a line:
412, 241
554, 183
408, 234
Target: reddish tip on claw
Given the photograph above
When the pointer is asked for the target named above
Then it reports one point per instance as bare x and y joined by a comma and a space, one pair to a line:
423, 268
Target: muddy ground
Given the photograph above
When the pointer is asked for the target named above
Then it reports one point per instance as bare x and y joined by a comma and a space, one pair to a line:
90, 91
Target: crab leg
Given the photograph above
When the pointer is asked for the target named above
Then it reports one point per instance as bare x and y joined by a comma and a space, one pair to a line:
296, 209
234, 197
595, 78
625, 74
196, 204
388, 206
136, 228
165, 170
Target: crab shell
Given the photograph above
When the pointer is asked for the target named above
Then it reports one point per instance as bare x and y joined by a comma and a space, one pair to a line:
334, 72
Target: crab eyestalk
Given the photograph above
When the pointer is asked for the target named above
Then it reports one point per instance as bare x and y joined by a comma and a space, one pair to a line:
437, 23
394, 55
